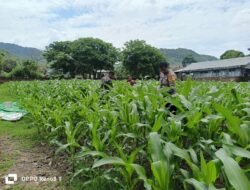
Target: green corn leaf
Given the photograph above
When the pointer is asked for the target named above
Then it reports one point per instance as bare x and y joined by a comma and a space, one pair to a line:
234, 173
156, 148
247, 110
193, 155
161, 173
142, 175
203, 166
90, 153
194, 119
178, 152
233, 121
198, 185
129, 135
185, 173
237, 151
174, 101
212, 187
236, 96
158, 123
185, 102
187, 87
133, 155
121, 153
208, 170
211, 172
63, 147
109, 160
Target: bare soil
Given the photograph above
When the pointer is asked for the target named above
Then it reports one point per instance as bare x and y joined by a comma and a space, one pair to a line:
37, 161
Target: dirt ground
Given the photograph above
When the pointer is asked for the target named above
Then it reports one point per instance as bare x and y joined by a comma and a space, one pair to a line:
35, 166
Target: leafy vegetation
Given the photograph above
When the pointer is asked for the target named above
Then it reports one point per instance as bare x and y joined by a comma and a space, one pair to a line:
188, 60
231, 54
120, 71
18, 131
85, 56
129, 139
141, 59
176, 56
12, 67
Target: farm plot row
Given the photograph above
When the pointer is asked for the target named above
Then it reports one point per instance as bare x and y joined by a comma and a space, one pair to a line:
129, 140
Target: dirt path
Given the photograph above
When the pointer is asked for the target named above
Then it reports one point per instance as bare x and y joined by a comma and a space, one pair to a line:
36, 161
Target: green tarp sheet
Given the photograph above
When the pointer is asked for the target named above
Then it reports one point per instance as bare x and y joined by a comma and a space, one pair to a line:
10, 111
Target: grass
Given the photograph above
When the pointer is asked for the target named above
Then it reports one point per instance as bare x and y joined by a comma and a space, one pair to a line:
6, 163
19, 130
5, 94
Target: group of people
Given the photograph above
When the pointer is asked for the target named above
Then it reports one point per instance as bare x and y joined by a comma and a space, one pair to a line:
167, 79
107, 80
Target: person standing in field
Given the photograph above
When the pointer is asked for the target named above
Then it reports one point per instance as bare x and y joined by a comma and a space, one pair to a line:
107, 81
131, 81
168, 79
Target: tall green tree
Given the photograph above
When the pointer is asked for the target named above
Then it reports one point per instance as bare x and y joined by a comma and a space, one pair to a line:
120, 71
93, 54
59, 55
1, 56
8, 64
26, 69
231, 54
188, 60
141, 59
1, 59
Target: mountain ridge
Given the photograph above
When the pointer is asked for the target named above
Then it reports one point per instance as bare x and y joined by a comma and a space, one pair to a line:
23, 52
174, 56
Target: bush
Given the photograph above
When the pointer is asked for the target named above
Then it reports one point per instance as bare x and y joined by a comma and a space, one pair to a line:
27, 69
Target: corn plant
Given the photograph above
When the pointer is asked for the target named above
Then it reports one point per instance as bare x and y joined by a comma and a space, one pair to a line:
129, 137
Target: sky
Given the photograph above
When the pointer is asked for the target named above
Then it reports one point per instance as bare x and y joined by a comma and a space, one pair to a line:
205, 26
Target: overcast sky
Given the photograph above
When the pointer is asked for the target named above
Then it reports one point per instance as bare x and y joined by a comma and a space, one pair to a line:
206, 26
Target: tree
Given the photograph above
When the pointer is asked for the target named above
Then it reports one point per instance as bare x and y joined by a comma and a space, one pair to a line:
1, 56
26, 69
141, 59
59, 54
188, 60
93, 54
8, 64
120, 71
231, 54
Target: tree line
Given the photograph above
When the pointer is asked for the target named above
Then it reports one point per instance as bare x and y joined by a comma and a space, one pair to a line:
90, 56
87, 56
12, 67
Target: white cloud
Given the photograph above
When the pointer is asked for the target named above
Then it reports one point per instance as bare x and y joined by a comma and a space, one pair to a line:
206, 26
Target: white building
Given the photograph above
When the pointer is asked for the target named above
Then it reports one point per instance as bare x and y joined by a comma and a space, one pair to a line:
236, 69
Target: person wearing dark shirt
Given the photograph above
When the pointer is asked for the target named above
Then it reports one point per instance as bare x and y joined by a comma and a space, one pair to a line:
131, 81
107, 81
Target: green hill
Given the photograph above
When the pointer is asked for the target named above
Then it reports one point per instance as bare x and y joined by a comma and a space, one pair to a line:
23, 52
175, 56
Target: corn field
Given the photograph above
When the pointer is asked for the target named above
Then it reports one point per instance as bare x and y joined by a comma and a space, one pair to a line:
128, 138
